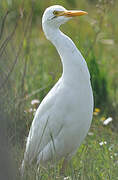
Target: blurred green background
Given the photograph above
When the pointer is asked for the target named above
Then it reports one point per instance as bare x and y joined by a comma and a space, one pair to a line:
30, 65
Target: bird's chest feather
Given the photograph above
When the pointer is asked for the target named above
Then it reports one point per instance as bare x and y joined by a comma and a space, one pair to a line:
74, 100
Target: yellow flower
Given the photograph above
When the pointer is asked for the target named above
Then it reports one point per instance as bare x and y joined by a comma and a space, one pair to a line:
97, 110
102, 118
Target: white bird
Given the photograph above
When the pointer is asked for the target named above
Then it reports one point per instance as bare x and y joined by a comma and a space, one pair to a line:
64, 116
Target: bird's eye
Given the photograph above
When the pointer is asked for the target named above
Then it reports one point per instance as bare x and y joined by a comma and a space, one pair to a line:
56, 13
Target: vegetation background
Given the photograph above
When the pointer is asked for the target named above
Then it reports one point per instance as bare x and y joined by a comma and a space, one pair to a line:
30, 66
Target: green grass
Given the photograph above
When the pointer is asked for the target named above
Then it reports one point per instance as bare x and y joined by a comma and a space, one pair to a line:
92, 161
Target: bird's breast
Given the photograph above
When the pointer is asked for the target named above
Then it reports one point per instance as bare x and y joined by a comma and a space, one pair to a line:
75, 100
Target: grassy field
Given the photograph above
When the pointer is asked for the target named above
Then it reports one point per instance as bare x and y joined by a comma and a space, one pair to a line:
30, 66
96, 159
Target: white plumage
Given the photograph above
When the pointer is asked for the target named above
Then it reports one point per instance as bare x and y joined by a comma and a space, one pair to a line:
64, 116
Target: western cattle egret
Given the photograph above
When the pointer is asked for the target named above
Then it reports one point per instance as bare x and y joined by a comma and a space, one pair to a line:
64, 116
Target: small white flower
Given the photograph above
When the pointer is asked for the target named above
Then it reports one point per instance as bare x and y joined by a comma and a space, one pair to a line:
115, 154
35, 101
90, 133
102, 143
107, 121
105, 142
67, 178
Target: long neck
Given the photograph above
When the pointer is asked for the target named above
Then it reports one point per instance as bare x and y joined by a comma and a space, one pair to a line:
74, 65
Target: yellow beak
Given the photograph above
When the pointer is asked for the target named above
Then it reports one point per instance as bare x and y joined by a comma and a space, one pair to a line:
70, 13
74, 13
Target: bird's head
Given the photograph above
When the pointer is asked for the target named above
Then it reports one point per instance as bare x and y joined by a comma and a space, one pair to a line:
57, 15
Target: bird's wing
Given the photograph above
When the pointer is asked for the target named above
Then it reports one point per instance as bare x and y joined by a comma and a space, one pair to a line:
45, 126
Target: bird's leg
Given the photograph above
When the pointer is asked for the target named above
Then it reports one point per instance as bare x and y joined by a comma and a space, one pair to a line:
63, 168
